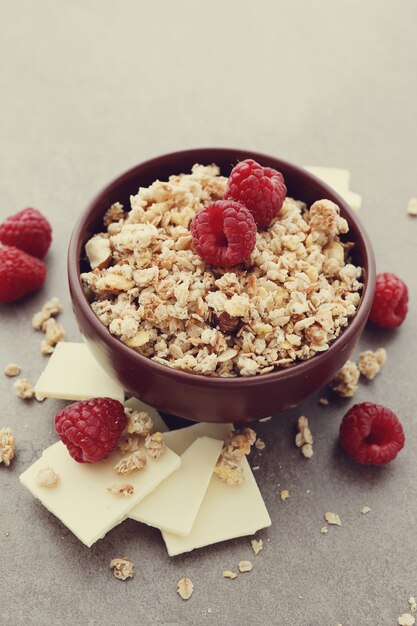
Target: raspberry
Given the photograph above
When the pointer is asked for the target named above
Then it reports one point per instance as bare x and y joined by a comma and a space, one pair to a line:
390, 305
29, 231
224, 233
371, 434
20, 274
261, 189
90, 429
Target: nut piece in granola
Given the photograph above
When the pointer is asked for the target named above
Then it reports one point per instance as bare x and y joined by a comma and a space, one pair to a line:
12, 369
304, 438
135, 461
235, 448
98, 251
138, 422
185, 588
228, 574
245, 566
155, 445
332, 518
23, 389
121, 490
47, 478
54, 333
7, 444
122, 568
370, 362
257, 545
345, 383
51, 308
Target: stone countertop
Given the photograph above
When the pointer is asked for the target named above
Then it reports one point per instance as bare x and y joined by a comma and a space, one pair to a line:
91, 88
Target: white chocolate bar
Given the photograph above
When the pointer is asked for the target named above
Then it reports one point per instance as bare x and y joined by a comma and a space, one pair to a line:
81, 500
138, 405
72, 373
338, 179
174, 505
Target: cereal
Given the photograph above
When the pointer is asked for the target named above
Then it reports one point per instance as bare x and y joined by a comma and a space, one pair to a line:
245, 566
228, 574
238, 445
138, 422
121, 490
257, 545
304, 438
292, 298
345, 383
24, 389
185, 588
7, 445
47, 478
412, 207
365, 510
54, 333
370, 362
135, 461
122, 568
12, 369
154, 445
51, 308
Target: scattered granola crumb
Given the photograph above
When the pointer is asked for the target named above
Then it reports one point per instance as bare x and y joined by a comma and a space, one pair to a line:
413, 604
185, 588
257, 545
54, 333
370, 362
284, 494
238, 444
304, 438
365, 510
228, 574
265, 419
155, 445
345, 383
47, 478
324, 530
7, 444
12, 369
208, 610
138, 422
114, 214
128, 443
260, 444
122, 568
324, 401
121, 490
406, 619
255, 468
23, 389
412, 206
51, 308
245, 566
332, 518
135, 461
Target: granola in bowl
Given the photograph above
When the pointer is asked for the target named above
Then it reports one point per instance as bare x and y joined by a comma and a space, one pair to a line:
288, 301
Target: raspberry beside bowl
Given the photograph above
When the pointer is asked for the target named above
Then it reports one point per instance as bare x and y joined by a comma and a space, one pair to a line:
197, 397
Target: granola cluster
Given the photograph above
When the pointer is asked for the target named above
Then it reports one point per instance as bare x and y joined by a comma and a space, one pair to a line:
229, 466
7, 444
139, 431
290, 300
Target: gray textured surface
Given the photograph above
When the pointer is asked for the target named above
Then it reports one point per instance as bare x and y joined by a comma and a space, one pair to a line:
89, 88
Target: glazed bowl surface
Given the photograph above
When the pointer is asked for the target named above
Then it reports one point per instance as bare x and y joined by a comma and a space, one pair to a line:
197, 397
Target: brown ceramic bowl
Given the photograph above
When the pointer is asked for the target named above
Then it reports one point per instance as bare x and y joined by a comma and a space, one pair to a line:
197, 397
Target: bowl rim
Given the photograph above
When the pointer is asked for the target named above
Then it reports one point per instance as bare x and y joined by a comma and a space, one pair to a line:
296, 370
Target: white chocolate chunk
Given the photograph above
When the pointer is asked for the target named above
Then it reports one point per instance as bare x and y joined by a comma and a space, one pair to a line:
174, 505
180, 440
81, 501
338, 179
227, 512
137, 405
72, 373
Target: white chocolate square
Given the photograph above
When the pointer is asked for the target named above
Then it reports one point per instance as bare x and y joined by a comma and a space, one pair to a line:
72, 373
174, 505
180, 440
138, 405
338, 179
81, 500
227, 512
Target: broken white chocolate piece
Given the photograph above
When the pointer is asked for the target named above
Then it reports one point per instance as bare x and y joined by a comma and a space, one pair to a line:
185, 588
225, 513
139, 406
412, 207
47, 478
122, 568
98, 252
82, 502
138, 423
228, 574
245, 566
12, 369
175, 505
332, 518
72, 373
180, 440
